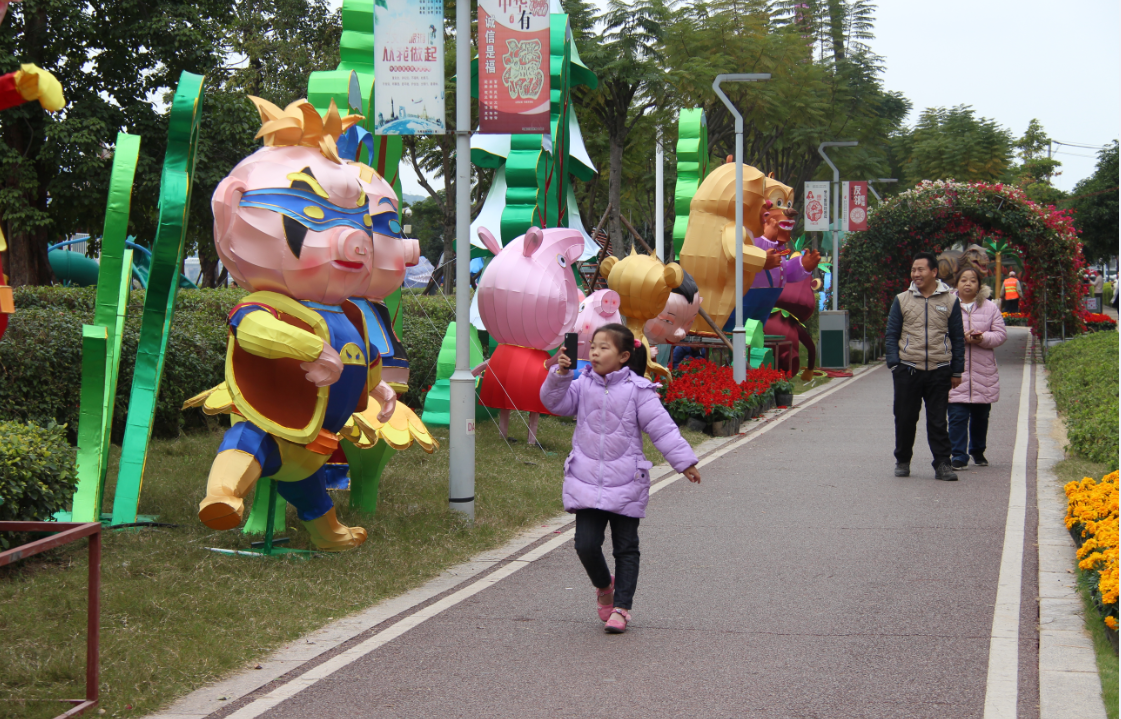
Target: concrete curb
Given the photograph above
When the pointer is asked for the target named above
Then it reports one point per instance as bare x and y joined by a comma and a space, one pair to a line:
1069, 684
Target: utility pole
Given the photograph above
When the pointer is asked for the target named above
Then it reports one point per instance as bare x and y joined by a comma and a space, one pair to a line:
659, 199
739, 348
461, 432
836, 219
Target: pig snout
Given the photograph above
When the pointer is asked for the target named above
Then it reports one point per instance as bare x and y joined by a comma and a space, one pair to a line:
412, 253
354, 248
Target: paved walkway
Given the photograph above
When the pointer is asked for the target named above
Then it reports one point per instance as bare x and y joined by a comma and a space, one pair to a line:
800, 579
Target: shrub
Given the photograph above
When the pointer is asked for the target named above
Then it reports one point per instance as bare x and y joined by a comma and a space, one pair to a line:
37, 473
1084, 381
425, 321
1092, 518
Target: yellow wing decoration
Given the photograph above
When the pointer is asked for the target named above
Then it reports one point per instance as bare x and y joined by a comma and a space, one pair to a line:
403, 428
216, 400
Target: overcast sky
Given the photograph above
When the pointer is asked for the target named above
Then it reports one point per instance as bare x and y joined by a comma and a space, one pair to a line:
1012, 60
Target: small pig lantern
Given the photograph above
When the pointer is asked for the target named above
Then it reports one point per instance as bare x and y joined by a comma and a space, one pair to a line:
598, 309
527, 300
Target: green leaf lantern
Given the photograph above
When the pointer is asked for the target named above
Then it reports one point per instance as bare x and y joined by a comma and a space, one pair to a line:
692, 168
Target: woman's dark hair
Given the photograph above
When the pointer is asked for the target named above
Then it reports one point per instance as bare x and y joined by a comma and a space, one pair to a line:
623, 339
968, 268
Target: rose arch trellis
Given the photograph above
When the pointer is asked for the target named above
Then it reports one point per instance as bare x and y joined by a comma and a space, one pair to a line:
935, 216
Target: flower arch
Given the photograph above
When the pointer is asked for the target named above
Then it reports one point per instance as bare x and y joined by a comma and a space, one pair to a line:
935, 216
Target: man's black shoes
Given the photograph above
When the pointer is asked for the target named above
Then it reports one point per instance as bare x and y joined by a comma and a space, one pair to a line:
945, 473
957, 464
980, 461
902, 470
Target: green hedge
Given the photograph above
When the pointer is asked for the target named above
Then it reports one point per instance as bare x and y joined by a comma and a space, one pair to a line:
41, 353
37, 474
1084, 382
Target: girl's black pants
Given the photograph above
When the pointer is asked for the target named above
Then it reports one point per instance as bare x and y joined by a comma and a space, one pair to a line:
590, 526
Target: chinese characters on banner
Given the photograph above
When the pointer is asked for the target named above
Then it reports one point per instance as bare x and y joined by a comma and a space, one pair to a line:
409, 68
514, 66
854, 206
816, 205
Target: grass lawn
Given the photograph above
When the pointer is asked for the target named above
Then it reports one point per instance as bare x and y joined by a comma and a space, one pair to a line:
1073, 470
175, 616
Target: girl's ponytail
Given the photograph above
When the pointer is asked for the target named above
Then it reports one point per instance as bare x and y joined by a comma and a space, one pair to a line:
624, 341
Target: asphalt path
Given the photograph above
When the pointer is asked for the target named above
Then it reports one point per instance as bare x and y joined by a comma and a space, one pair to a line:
800, 579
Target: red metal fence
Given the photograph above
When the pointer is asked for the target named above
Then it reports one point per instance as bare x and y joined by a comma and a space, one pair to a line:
69, 532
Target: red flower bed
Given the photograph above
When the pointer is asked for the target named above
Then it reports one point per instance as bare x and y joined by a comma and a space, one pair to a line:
704, 390
1096, 322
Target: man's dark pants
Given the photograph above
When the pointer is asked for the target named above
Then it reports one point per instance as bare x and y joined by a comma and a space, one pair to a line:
913, 388
1012, 305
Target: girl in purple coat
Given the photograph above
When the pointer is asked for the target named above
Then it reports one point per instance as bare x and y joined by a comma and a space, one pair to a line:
971, 400
606, 477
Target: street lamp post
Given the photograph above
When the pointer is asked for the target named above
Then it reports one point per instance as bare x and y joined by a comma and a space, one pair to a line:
659, 200
836, 214
739, 348
461, 432
883, 180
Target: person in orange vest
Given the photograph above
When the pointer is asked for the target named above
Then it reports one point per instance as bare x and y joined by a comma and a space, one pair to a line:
1011, 293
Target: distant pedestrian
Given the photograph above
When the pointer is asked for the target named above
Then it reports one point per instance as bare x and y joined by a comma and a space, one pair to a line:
926, 353
971, 401
1099, 290
607, 477
1011, 292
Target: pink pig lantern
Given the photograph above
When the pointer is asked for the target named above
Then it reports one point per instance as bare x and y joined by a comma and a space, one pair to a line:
527, 300
597, 310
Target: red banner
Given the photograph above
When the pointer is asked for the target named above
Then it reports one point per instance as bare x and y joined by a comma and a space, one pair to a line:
855, 210
514, 66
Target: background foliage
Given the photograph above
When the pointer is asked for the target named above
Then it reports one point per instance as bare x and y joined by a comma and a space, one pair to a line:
1084, 381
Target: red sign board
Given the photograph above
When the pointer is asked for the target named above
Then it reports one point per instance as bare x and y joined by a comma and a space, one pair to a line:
514, 66
855, 210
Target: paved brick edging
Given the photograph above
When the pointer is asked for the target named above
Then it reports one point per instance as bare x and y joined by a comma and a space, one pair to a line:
1069, 684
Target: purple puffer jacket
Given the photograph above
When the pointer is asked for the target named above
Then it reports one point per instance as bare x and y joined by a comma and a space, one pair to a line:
980, 383
606, 469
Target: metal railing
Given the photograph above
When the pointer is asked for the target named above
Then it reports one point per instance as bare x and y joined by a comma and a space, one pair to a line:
67, 532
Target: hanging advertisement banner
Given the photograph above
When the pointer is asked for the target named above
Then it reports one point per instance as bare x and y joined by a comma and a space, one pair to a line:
409, 68
816, 204
854, 206
514, 66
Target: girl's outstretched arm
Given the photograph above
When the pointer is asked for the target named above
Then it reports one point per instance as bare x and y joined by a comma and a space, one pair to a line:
654, 420
559, 393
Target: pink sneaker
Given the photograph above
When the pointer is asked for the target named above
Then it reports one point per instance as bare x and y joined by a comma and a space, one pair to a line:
604, 600
617, 624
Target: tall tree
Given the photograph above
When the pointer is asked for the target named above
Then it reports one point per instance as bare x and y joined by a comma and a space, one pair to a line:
115, 59
1095, 206
627, 59
956, 144
1037, 168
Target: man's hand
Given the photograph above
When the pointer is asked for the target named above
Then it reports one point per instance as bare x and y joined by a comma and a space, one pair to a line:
326, 369
693, 475
563, 362
774, 259
954, 382
810, 260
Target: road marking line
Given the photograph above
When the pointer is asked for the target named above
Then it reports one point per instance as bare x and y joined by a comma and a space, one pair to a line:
1001, 687
262, 704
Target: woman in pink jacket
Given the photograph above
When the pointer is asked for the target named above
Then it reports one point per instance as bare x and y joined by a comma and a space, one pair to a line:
980, 383
606, 477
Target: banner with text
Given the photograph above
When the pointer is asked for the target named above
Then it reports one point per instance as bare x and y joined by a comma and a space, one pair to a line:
514, 66
854, 206
816, 204
409, 68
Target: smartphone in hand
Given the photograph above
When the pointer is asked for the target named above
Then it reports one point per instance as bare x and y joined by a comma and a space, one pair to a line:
571, 346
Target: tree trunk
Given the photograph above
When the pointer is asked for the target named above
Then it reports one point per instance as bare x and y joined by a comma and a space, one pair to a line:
837, 28
615, 192
27, 259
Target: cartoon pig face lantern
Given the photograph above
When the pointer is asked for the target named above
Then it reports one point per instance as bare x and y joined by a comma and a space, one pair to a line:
599, 309
293, 218
528, 295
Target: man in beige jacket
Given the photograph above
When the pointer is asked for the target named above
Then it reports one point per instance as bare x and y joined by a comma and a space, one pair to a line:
925, 345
